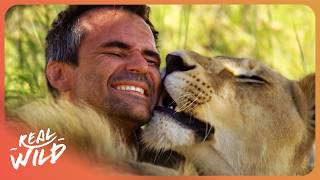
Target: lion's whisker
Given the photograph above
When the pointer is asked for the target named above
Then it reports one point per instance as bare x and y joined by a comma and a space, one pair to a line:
207, 123
190, 104
186, 94
179, 109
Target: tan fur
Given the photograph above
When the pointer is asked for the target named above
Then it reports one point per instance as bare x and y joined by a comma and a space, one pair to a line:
261, 128
86, 131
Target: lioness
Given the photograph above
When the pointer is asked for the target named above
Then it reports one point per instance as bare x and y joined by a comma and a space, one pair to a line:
232, 116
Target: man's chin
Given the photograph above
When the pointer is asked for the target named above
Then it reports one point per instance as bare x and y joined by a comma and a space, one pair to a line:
128, 109
138, 116
130, 116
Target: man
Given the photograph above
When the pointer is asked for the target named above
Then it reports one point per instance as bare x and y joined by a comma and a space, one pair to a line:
106, 56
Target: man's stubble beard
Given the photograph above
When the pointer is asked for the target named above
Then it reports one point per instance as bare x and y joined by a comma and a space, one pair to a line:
119, 110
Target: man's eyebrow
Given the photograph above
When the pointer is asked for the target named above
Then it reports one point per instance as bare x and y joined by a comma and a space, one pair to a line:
117, 44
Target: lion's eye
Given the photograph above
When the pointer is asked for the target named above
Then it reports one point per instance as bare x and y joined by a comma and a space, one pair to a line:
253, 79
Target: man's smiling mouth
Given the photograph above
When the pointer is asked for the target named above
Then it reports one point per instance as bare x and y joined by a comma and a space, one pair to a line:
130, 88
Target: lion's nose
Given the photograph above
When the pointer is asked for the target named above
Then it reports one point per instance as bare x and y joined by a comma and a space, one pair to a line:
175, 62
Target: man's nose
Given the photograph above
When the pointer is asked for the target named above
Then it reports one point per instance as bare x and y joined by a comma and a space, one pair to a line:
137, 63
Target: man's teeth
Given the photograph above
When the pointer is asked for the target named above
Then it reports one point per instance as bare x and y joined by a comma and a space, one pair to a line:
130, 88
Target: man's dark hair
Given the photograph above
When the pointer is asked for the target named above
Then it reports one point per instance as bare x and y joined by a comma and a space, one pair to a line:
64, 37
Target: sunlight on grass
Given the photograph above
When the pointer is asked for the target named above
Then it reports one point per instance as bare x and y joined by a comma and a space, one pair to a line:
282, 36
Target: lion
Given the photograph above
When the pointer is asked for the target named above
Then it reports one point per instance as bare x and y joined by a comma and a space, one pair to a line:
234, 116
87, 133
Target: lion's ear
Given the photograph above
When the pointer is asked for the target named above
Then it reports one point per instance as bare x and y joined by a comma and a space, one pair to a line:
307, 85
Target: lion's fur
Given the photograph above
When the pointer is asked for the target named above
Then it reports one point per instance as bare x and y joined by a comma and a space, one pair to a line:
261, 128
85, 131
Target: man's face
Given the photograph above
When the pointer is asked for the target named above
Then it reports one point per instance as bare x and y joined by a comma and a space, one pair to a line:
118, 70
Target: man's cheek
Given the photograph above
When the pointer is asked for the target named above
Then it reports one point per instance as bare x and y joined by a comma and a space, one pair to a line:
157, 83
155, 98
90, 83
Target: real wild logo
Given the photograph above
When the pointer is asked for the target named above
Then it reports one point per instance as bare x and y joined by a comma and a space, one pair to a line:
41, 147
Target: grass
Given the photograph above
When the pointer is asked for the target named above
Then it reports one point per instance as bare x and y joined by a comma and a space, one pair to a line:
282, 36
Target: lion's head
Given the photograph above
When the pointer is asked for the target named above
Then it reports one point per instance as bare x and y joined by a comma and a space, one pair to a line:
234, 116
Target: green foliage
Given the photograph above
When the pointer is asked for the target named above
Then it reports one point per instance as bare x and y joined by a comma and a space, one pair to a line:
273, 34
25, 31
282, 36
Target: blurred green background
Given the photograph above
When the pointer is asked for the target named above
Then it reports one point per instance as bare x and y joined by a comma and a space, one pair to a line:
282, 36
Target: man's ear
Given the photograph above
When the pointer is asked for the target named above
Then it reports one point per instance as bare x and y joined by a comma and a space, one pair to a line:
307, 85
60, 75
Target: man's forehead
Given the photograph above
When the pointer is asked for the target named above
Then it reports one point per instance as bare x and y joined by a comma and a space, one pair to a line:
118, 24
100, 16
